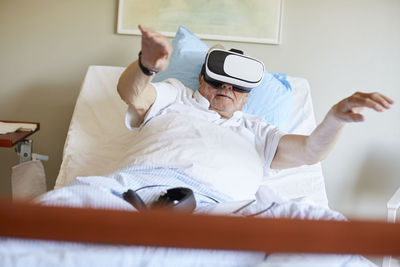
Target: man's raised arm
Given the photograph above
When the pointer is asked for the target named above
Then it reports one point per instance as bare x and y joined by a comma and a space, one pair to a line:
296, 150
134, 85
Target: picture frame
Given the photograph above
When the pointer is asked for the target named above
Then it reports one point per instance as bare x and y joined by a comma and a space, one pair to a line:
253, 21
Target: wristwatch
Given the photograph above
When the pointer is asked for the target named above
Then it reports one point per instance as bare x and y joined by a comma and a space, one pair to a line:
145, 70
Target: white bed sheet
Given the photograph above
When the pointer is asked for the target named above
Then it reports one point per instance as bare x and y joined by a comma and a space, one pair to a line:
15, 252
97, 135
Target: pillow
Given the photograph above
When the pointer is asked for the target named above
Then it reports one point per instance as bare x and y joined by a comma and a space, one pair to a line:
271, 100
186, 59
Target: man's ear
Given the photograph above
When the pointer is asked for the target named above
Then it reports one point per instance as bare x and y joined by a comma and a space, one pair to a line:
246, 98
200, 79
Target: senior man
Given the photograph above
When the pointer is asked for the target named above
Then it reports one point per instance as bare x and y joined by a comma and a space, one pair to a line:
219, 108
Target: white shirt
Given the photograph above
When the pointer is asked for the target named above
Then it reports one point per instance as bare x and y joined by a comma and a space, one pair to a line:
179, 130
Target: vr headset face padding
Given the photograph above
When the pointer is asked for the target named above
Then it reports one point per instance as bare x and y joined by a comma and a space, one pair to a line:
231, 67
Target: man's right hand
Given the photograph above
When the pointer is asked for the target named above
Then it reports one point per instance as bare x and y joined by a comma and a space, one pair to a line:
156, 49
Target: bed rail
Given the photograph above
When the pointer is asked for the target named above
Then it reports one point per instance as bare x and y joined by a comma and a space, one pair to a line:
161, 228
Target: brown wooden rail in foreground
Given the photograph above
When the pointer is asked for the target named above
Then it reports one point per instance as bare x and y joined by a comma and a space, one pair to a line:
161, 228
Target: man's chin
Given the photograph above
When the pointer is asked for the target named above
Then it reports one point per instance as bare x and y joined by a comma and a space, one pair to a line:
223, 111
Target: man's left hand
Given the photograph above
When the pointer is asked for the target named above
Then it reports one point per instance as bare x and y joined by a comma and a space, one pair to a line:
348, 110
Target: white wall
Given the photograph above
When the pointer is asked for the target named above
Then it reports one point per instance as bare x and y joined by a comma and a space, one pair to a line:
339, 46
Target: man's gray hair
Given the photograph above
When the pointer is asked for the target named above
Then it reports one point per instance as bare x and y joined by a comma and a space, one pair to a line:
216, 46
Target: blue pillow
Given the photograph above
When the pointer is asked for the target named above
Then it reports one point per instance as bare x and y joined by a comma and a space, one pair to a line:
272, 99
186, 59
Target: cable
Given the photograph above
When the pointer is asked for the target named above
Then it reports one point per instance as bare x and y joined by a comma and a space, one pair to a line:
158, 185
149, 186
248, 204
260, 212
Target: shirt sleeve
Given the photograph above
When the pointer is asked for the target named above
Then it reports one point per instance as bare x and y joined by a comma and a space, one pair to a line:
267, 140
166, 94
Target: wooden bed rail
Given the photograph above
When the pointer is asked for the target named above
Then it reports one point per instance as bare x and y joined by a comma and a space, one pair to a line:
161, 228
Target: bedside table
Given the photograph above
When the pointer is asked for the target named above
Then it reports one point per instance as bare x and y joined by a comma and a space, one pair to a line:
11, 139
24, 147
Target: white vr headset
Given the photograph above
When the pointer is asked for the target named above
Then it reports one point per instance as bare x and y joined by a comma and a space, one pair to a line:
232, 67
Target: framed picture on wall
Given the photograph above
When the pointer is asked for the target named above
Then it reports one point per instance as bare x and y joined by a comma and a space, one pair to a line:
254, 21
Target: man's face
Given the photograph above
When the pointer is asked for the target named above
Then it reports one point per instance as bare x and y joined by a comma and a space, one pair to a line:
224, 100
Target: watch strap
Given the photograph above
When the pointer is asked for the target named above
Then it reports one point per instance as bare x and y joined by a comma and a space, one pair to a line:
145, 70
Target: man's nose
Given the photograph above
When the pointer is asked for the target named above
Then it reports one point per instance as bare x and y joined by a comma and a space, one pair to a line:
227, 86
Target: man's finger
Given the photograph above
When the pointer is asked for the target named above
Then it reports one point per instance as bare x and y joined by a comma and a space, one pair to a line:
359, 100
143, 30
383, 100
149, 33
389, 100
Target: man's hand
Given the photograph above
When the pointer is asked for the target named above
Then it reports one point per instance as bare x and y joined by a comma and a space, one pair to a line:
348, 110
156, 49
296, 150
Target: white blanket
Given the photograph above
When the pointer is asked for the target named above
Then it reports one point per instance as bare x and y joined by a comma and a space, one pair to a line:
104, 192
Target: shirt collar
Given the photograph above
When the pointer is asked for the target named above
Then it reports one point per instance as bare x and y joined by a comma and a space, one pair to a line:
237, 115
203, 102
201, 99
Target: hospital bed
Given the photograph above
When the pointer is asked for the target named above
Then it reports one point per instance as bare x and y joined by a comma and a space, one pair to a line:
94, 141
97, 135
